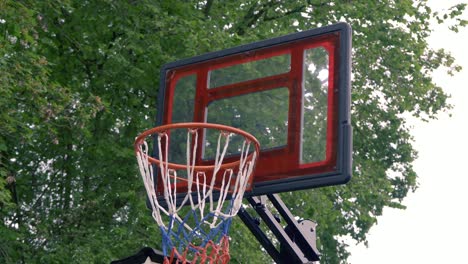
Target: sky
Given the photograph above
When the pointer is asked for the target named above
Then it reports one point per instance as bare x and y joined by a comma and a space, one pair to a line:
434, 227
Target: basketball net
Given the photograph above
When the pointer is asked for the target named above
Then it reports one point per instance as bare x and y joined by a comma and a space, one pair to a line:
195, 210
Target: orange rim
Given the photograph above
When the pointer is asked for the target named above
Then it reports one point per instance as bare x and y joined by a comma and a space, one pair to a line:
193, 125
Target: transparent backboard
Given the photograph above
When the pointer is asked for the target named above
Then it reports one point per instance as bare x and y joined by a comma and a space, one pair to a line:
292, 93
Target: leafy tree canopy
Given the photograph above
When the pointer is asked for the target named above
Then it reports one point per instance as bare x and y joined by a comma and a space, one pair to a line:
79, 81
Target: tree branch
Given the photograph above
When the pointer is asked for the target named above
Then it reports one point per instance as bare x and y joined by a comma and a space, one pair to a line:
207, 9
290, 12
251, 17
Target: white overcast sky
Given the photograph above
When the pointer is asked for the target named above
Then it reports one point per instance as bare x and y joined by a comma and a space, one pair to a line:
434, 227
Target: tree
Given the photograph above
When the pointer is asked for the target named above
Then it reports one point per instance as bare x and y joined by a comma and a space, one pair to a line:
79, 81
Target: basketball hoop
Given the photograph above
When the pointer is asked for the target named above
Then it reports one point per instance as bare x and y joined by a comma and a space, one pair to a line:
193, 203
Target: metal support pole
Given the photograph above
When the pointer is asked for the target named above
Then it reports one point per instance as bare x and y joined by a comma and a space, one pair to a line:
297, 239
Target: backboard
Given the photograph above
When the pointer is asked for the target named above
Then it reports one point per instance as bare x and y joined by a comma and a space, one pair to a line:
292, 93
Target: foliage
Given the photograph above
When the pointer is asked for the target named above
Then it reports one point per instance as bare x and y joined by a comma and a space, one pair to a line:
79, 81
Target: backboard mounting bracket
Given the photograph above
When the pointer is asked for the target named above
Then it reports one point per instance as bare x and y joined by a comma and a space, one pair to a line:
297, 239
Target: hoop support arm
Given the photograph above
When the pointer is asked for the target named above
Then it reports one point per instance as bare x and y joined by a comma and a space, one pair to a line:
297, 240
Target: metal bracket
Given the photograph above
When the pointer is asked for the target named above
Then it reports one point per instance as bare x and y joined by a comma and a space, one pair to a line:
297, 240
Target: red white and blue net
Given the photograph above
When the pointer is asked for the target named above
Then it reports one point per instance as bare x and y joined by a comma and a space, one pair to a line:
195, 204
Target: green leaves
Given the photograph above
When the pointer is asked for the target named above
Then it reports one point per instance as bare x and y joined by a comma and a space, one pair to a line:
453, 14
79, 82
